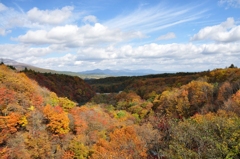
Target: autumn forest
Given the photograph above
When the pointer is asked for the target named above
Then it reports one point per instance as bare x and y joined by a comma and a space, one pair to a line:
166, 116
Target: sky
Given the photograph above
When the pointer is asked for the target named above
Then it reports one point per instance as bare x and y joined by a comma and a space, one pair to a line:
80, 35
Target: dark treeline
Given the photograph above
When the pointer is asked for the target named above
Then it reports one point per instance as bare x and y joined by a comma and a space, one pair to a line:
71, 87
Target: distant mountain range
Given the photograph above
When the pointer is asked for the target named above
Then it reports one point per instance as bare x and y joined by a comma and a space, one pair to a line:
96, 73
124, 72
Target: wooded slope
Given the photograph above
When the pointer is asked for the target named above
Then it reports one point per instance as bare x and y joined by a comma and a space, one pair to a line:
189, 116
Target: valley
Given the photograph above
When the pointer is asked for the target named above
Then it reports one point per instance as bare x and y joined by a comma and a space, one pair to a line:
168, 115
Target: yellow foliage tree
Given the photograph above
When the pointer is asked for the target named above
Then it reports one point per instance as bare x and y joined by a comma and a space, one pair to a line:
66, 104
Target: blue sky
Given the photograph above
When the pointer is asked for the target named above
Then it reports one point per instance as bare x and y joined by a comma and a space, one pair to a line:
78, 35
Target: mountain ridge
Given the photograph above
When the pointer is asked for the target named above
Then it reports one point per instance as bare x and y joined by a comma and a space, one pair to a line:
123, 72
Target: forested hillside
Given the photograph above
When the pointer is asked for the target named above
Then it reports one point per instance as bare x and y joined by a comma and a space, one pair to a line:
72, 87
116, 84
173, 116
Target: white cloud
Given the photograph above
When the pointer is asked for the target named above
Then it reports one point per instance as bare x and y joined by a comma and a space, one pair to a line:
156, 18
11, 18
56, 63
7, 17
2, 7
90, 18
57, 35
52, 17
167, 36
224, 32
74, 36
36, 18
16, 51
230, 3
4, 32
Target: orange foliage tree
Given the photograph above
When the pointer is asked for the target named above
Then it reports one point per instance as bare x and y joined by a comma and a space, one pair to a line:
123, 143
8, 125
58, 121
